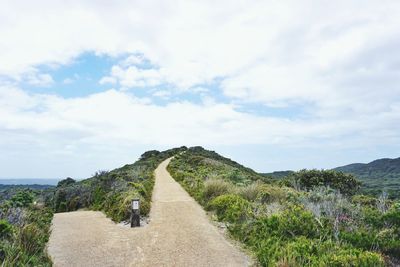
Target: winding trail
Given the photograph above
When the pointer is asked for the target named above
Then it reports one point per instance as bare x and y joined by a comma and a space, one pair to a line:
179, 234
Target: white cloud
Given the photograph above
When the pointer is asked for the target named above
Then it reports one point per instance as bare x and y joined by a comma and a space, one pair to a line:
68, 81
104, 129
108, 80
39, 79
133, 76
338, 60
132, 60
306, 47
162, 94
119, 117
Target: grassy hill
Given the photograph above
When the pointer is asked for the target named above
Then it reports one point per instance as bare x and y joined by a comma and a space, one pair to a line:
302, 222
378, 175
286, 226
26, 213
112, 191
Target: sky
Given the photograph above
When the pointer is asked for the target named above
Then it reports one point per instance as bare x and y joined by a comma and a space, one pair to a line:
274, 85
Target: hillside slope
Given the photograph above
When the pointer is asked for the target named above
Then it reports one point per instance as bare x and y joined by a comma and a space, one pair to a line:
378, 175
319, 223
179, 234
112, 191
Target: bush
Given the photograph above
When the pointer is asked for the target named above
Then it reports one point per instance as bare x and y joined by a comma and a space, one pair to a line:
216, 187
5, 229
67, 181
269, 194
352, 257
73, 204
364, 200
26, 245
392, 217
252, 191
231, 208
28, 237
22, 199
345, 183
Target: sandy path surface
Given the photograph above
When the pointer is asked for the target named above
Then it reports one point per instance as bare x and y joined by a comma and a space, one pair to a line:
179, 234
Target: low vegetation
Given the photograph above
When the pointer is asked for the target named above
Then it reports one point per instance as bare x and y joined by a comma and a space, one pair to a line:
316, 218
309, 218
24, 229
112, 191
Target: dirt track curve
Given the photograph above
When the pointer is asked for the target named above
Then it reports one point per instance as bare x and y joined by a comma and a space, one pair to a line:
179, 234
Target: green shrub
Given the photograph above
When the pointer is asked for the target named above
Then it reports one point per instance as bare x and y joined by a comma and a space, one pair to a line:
5, 228
22, 199
364, 200
73, 204
345, 183
251, 192
270, 193
352, 257
372, 217
392, 217
60, 204
231, 208
28, 237
216, 187
361, 239
98, 197
65, 182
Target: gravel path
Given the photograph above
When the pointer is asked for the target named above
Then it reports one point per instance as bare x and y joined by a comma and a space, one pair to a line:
179, 234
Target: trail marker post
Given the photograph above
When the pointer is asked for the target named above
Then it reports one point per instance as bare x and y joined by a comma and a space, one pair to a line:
135, 215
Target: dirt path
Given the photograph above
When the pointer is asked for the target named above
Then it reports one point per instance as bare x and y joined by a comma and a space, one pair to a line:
179, 234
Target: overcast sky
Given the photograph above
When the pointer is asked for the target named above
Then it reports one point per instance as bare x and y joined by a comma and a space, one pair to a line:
275, 85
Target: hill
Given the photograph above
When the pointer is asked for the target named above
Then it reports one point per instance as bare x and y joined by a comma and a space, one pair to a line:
316, 219
285, 226
112, 191
378, 175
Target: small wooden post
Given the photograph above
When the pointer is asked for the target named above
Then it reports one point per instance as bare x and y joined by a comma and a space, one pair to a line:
135, 215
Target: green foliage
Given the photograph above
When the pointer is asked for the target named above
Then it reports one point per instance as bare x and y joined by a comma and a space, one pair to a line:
308, 179
288, 227
252, 191
67, 181
22, 199
392, 217
25, 241
5, 228
364, 200
216, 187
271, 193
112, 191
378, 175
231, 208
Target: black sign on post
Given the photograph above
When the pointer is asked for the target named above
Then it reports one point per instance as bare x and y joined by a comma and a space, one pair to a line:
135, 215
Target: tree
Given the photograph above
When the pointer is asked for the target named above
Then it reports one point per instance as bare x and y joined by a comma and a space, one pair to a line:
67, 181
345, 183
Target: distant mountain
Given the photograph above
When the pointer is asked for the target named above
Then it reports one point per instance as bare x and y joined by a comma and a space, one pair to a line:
28, 181
380, 168
25, 186
378, 175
